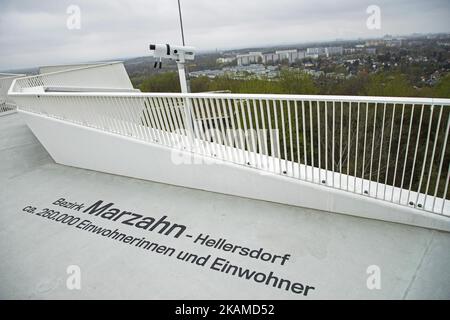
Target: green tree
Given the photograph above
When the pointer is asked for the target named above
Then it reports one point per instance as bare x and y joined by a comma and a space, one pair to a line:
296, 82
389, 85
161, 82
442, 88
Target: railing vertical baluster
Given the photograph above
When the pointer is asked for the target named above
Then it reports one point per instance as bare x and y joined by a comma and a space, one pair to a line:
239, 128
217, 131
161, 119
364, 149
147, 127
50, 111
211, 132
122, 116
326, 142
340, 144
205, 131
77, 116
177, 103
80, 116
406, 153
311, 136
349, 142
109, 114
415, 156
258, 147
167, 109
67, 113
150, 122
135, 119
165, 117
252, 133
173, 109
221, 112
333, 143
297, 134
205, 127
118, 122
105, 112
177, 133
63, 112
389, 153
444, 147
381, 150
151, 111
246, 135
304, 140
188, 122
201, 127
398, 150
373, 143
164, 122
269, 117
422, 172
128, 116
145, 118
283, 130
355, 176
290, 137
91, 119
278, 136
232, 134
432, 156
225, 131
264, 132
318, 140
157, 116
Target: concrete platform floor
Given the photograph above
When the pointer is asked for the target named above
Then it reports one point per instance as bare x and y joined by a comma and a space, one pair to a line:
329, 253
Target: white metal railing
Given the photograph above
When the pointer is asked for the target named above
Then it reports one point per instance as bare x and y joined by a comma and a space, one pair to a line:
102, 76
391, 149
6, 79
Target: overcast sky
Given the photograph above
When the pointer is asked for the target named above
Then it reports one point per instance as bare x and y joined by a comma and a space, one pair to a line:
34, 33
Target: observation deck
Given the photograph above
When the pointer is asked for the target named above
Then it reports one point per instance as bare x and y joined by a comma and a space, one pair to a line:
339, 183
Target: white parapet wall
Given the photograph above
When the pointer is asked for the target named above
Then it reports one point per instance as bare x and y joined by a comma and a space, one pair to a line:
93, 149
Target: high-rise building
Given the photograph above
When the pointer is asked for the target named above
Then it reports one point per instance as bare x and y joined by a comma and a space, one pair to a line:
331, 51
249, 58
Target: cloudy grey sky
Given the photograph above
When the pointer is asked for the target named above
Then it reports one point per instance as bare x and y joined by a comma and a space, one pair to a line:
34, 33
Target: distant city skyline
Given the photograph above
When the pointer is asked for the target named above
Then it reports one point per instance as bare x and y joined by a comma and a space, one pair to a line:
46, 32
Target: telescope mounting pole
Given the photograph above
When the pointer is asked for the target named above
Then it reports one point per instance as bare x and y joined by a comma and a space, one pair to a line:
185, 87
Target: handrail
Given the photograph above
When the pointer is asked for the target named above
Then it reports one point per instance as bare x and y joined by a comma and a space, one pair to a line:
290, 97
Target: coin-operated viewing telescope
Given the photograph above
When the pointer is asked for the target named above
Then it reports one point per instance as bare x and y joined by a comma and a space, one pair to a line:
177, 53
